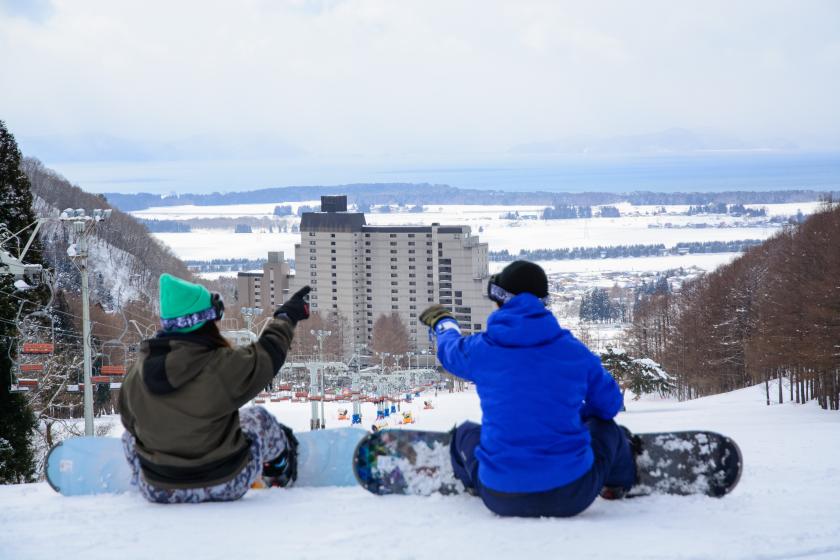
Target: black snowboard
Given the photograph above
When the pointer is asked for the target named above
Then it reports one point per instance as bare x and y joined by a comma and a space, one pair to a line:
681, 463
685, 463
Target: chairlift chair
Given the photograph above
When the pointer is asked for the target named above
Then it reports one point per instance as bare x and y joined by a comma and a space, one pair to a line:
114, 367
37, 348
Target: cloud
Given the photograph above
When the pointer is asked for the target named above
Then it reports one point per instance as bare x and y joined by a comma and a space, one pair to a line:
376, 77
33, 10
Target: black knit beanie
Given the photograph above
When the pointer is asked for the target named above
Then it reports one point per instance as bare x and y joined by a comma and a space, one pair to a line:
523, 276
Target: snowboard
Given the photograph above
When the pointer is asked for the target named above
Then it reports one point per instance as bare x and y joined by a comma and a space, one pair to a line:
681, 463
97, 465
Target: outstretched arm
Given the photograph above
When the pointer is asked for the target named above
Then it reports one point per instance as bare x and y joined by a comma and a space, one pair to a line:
245, 371
250, 368
453, 349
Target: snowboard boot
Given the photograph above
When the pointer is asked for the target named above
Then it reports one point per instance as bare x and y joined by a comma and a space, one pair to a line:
635, 441
619, 492
281, 471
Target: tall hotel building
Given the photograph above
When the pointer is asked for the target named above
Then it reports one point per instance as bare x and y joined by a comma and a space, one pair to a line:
363, 272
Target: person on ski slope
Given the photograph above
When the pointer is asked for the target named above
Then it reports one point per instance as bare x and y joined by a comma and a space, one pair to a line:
548, 444
185, 437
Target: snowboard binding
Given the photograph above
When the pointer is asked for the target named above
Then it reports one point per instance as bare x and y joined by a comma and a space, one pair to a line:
282, 470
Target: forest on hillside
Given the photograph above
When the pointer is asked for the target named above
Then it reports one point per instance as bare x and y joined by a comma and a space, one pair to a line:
624, 251
773, 313
409, 194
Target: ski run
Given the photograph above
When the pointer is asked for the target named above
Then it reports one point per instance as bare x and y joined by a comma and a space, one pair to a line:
787, 504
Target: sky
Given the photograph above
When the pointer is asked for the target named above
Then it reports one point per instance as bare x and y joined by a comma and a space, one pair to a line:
414, 81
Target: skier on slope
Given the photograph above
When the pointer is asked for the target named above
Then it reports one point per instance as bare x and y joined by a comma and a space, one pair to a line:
547, 445
186, 439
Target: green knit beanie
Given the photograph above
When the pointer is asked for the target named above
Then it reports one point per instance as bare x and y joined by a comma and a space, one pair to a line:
182, 304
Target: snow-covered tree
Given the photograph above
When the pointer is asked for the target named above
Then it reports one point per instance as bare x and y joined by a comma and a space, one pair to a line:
16, 418
640, 375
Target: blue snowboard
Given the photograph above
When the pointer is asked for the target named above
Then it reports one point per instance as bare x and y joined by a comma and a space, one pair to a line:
96, 465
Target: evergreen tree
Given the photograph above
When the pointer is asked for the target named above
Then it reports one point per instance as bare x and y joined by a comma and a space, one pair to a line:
596, 305
640, 375
17, 421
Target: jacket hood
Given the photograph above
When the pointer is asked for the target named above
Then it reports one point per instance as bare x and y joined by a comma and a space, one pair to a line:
169, 361
523, 321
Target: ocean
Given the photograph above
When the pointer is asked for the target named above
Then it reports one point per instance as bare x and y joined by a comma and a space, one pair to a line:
708, 172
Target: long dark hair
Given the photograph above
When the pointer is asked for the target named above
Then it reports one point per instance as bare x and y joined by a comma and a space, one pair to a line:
210, 331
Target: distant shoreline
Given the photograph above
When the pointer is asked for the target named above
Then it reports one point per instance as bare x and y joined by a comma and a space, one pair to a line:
545, 176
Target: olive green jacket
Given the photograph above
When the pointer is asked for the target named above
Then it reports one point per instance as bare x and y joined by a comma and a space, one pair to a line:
181, 399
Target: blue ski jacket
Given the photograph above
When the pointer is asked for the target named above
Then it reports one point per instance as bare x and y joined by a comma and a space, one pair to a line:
537, 383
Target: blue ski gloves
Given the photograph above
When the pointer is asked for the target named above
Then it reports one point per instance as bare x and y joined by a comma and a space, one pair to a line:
296, 307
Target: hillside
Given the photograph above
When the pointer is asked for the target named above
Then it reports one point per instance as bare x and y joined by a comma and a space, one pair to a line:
784, 507
771, 313
126, 260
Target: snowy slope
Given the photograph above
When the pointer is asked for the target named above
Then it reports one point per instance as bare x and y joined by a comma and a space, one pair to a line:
786, 506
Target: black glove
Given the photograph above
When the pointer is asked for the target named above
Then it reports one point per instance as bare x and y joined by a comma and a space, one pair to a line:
296, 308
433, 314
282, 470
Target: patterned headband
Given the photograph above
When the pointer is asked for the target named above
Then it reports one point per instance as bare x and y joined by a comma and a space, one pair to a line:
190, 320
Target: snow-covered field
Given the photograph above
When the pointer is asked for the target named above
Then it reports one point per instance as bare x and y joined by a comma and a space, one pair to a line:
638, 225
787, 505
702, 261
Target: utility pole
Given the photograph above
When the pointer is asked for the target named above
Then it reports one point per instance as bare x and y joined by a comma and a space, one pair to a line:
321, 335
314, 423
82, 225
355, 385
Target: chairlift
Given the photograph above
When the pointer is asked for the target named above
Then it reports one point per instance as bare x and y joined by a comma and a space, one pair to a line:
95, 380
37, 348
45, 345
115, 366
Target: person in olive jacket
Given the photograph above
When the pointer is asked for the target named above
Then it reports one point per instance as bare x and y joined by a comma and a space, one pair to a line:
185, 436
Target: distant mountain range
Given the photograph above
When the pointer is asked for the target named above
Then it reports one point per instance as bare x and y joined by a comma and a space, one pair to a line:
669, 141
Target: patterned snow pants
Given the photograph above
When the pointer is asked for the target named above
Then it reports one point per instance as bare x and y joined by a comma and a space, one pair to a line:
267, 441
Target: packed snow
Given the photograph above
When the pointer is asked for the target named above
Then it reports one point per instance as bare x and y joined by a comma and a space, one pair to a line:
787, 504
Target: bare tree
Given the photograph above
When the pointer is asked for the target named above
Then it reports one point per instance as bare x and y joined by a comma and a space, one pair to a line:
390, 336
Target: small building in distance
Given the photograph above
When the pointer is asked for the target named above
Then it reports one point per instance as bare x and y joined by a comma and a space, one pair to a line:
267, 289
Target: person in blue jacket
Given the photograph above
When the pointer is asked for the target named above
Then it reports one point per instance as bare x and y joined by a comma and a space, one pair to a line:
548, 444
